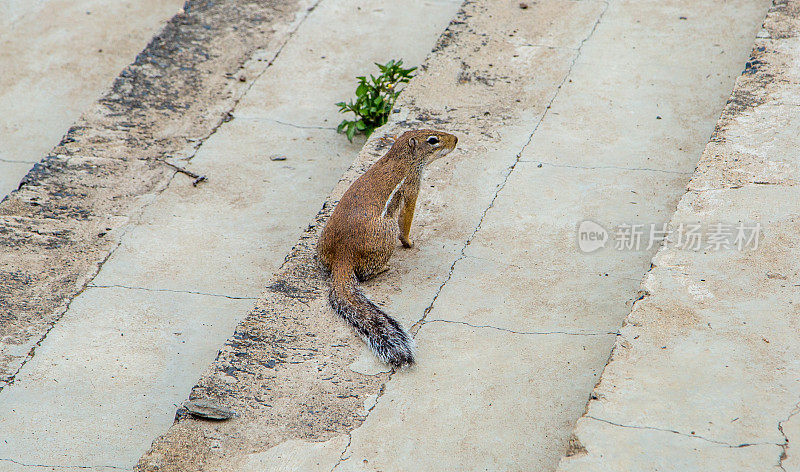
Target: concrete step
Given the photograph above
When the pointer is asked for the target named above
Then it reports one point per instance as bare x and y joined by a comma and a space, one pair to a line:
121, 279
704, 375
56, 58
188, 267
565, 112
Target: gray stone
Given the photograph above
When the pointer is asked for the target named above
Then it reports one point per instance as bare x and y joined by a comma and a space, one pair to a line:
207, 408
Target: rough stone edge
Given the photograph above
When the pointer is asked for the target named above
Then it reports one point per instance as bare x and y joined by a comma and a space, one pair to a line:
70, 211
757, 85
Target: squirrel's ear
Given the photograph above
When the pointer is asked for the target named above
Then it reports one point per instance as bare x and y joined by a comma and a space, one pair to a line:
412, 142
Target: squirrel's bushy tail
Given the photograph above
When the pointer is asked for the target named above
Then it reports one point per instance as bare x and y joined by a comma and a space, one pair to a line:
387, 339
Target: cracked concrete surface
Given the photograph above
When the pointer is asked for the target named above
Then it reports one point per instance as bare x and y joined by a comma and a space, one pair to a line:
549, 392
133, 342
789, 427
689, 434
231, 297
490, 222
565, 111
57, 57
704, 374
569, 333
72, 208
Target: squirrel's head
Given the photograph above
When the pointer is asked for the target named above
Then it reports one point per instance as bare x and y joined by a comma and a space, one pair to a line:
427, 145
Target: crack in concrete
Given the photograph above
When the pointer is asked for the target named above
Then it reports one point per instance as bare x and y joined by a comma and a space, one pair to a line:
284, 123
567, 333
342, 458
228, 115
647, 169
32, 352
680, 433
303, 126
16, 161
785, 444
51, 466
147, 289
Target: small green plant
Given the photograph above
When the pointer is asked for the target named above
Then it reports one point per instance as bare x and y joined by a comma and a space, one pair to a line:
375, 98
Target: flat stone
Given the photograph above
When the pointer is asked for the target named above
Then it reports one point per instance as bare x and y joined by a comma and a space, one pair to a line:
701, 305
206, 408
715, 330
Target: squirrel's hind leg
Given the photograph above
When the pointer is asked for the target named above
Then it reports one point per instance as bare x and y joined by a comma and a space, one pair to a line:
364, 276
374, 256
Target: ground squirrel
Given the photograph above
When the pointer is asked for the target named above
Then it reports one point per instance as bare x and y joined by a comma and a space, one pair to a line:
361, 234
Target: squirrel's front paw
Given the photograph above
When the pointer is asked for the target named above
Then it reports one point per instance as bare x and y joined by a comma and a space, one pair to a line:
407, 242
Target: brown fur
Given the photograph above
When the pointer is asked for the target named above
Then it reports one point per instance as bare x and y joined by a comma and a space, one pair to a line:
362, 232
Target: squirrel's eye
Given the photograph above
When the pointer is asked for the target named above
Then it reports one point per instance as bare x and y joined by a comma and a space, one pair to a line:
432, 140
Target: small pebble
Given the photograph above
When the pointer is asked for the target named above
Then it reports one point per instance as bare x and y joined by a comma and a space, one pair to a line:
658, 117
523, 6
277, 157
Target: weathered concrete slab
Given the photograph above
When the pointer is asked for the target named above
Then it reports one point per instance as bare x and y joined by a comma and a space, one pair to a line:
672, 454
69, 213
292, 370
186, 270
82, 401
529, 240
704, 375
57, 58
421, 420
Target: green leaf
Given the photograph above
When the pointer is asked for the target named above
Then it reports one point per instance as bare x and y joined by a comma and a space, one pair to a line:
375, 98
